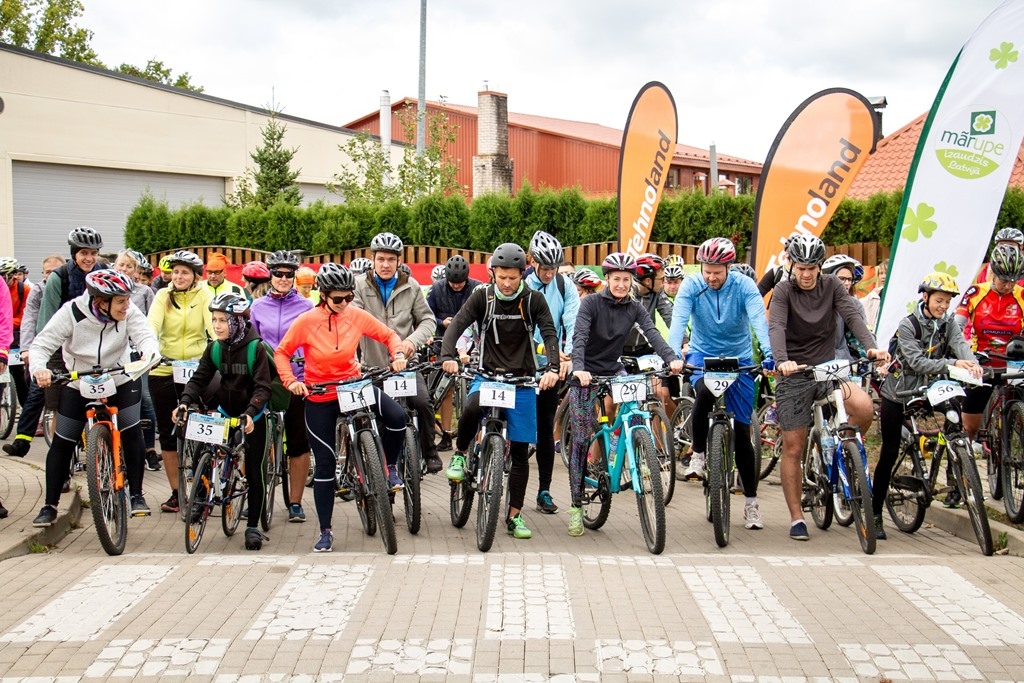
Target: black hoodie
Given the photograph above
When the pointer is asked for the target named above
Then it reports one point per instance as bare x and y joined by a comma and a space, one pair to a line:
239, 391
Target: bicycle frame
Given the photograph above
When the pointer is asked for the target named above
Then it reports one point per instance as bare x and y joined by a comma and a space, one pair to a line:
94, 408
624, 450
838, 426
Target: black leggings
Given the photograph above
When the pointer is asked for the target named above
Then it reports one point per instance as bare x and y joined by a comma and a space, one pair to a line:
547, 405
891, 424
255, 469
703, 402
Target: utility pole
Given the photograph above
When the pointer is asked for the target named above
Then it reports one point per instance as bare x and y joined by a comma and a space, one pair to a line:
421, 102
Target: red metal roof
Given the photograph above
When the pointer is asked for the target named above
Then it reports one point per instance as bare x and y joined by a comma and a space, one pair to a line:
887, 169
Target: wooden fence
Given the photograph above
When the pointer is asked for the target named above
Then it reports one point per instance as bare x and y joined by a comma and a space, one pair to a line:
868, 253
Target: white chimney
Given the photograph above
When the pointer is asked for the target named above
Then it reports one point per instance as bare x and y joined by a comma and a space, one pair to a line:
385, 132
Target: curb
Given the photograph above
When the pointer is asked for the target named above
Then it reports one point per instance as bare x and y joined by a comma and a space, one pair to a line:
958, 523
67, 519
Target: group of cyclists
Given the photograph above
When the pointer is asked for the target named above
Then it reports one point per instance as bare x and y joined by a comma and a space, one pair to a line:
536, 317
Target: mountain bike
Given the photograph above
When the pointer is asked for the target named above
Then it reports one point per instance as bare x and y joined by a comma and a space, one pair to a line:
361, 462
661, 426
400, 386
488, 459
106, 471
834, 459
914, 484
634, 463
275, 467
439, 385
1002, 437
218, 480
8, 400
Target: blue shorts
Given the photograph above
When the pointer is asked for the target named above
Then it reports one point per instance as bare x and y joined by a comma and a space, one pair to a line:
522, 420
739, 398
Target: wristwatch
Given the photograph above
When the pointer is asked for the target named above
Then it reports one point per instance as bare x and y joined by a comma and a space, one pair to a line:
399, 356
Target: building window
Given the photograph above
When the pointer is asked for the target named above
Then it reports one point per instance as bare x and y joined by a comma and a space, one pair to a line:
744, 185
672, 182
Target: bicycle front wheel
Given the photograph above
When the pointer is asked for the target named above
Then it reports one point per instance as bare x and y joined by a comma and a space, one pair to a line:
8, 407
905, 499
491, 485
235, 494
661, 429
770, 438
649, 500
817, 490
597, 493
187, 456
271, 469
860, 496
412, 470
996, 444
196, 508
562, 433
107, 502
682, 433
969, 482
717, 489
1012, 466
378, 490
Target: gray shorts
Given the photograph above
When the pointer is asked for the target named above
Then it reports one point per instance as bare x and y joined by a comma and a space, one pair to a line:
794, 398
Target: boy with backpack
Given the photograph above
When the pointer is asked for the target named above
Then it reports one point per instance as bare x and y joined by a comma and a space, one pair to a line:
245, 389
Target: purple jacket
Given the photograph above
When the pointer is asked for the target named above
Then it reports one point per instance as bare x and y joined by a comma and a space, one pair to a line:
272, 317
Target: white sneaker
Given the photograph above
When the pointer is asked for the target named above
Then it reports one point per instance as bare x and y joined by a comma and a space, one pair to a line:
696, 468
752, 516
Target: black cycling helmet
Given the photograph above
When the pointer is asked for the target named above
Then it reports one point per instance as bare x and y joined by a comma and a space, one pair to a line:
509, 255
84, 238
1007, 262
283, 259
745, 269
334, 277
456, 270
229, 302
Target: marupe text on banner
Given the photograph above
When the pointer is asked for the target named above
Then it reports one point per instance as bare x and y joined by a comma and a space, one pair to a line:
653, 182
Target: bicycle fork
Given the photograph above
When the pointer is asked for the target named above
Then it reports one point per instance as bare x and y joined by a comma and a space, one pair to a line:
115, 440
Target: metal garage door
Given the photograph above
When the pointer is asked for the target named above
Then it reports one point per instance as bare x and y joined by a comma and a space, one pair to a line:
51, 199
311, 192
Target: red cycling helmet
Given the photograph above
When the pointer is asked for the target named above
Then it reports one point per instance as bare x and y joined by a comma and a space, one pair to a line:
648, 264
256, 272
717, 251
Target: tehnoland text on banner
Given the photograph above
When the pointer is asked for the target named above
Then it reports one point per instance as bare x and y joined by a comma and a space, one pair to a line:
964, 158
809, 169
648, 145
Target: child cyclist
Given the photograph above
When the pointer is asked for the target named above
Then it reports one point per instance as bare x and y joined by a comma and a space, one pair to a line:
242, 393
929, 339
603, 323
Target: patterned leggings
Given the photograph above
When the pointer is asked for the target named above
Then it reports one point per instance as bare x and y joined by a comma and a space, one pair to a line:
582, 422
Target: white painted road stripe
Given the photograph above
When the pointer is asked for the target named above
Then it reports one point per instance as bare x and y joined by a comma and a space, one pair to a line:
530, 601
911, 662
657, 657
414, 657
740, 607
966, 613
316, 602
91, 605
166, 657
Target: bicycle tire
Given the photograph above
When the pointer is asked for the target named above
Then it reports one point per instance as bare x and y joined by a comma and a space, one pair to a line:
562, 428
197, 504
649, 500
817, 484
235, 494
905, 499
271, 470
187, 450
412, 471
860, 500
661, 430
49, 420
717, 487
380, 503
842, 514
490, 491
996, 444
347, 476
1012, 467
755, 442
8, 408
682, 432
770, 438
597, 496
969, 482
108, 504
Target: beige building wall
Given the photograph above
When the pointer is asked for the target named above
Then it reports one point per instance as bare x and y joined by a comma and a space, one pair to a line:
56, 112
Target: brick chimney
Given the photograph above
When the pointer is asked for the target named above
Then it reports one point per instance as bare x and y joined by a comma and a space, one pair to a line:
492, 169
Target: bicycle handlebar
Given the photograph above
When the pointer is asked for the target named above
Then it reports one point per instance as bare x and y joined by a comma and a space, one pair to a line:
321, 388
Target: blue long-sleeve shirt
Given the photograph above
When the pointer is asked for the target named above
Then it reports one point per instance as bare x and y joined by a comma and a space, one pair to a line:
563, 311
722, 319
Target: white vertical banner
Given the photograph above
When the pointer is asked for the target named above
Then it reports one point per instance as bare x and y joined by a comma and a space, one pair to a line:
962, 165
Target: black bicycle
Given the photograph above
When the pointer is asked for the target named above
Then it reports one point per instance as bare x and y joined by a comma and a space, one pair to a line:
400, 386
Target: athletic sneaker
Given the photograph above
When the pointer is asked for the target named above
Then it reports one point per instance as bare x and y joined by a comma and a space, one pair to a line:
394, 480
879, 531
952, 499
296, 514
139, 507
172, 503
18, 448
434, 464
575, 521
254, 538
457, 470
798, 532
153, 461
326, 542
771, 416
517, 527
545, 504
752, 516
446, 443
696, 469
46, 517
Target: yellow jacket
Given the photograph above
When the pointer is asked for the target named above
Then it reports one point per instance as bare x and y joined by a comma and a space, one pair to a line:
183, 324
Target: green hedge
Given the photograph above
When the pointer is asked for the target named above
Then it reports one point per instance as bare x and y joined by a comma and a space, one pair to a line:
686, 218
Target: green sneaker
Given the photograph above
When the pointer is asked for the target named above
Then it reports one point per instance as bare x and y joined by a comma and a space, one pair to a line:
517, 528
457, 470
575, 521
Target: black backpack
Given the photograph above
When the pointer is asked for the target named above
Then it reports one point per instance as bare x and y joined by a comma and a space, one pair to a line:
894, 343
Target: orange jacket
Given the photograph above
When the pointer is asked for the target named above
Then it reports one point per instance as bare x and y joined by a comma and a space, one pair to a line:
18, 303
329, 342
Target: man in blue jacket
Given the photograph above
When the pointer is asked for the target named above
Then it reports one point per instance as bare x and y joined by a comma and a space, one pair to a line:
546, 255
723, 306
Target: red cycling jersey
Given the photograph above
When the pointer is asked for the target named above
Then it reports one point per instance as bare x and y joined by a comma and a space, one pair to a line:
994, 317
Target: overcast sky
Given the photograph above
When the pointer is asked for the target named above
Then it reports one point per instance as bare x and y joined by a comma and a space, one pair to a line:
737, 68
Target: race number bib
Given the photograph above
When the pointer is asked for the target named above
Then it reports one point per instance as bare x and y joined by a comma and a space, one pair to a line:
497, 395
833, 369
356, 396
401, 385
944, 390
630, 388
211, 429
14, 357
183, 370
96, 387
650, 362
718, 382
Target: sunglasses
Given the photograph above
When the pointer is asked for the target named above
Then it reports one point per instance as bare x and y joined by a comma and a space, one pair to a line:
342, 299
283, 274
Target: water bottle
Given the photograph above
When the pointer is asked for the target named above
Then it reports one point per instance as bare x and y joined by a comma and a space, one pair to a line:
828, 448
614, 447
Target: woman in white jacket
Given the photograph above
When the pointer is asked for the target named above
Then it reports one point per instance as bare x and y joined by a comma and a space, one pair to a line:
97, 328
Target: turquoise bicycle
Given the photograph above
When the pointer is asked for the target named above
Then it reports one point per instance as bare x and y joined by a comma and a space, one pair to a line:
634, 463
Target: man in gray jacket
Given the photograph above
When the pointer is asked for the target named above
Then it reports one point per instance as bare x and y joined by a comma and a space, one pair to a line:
396, 299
